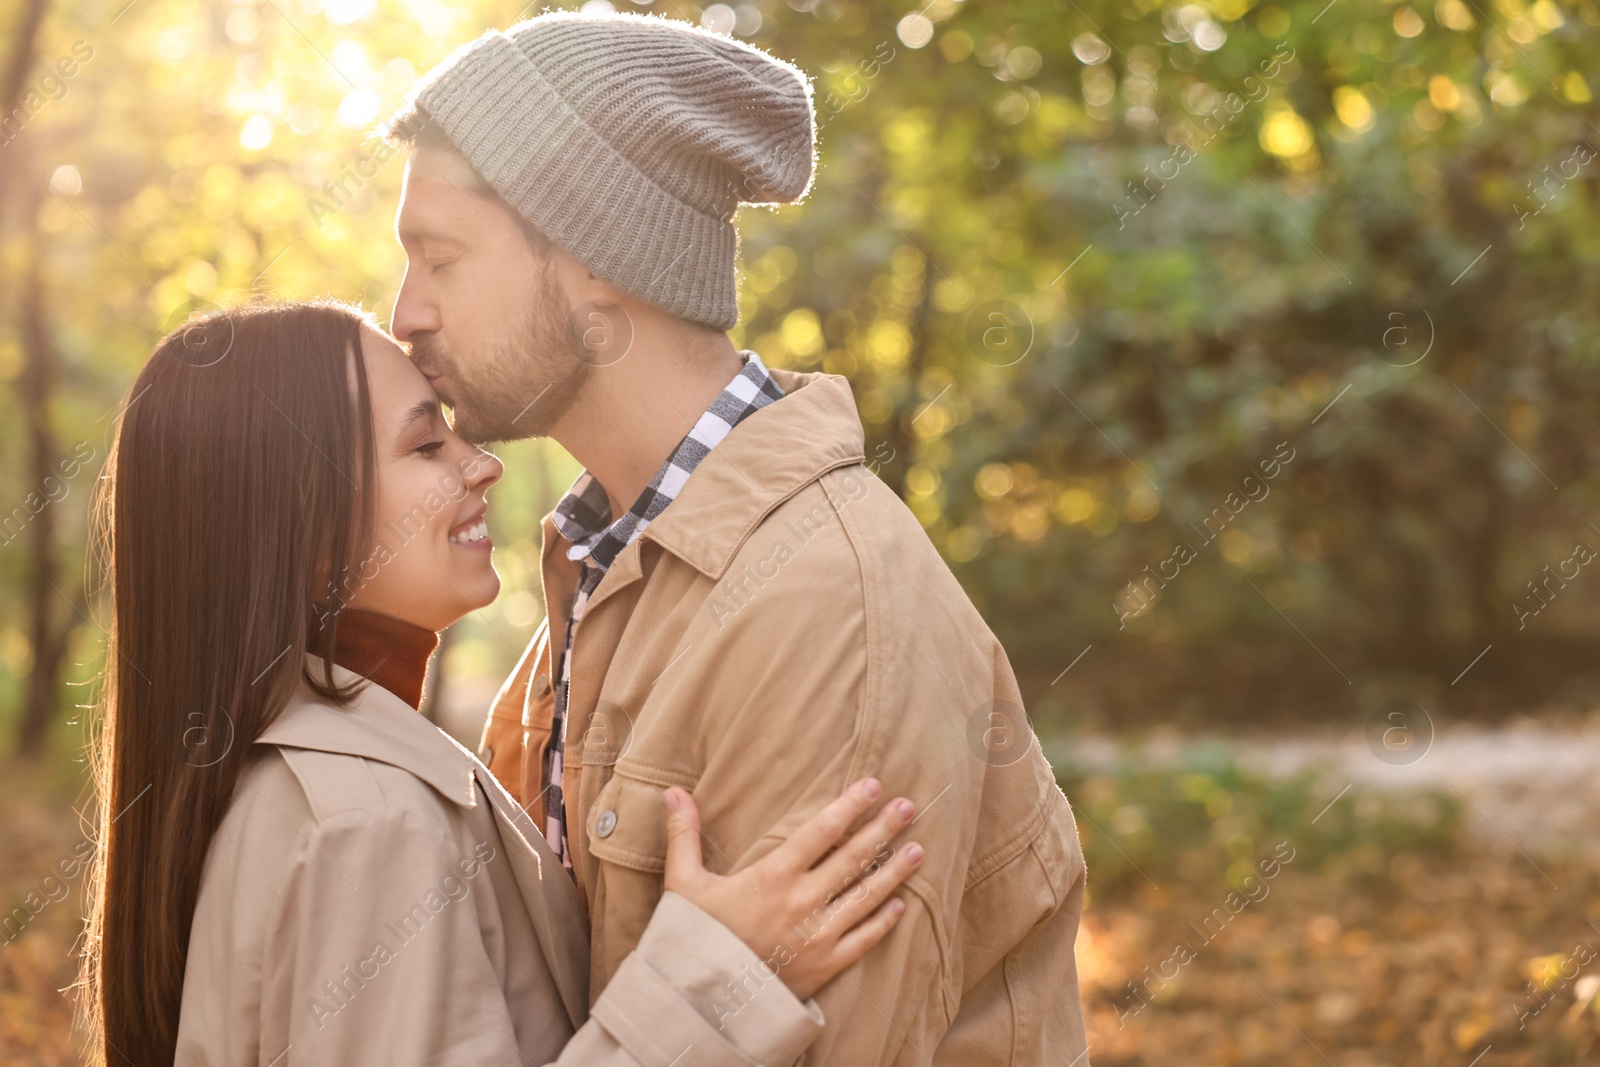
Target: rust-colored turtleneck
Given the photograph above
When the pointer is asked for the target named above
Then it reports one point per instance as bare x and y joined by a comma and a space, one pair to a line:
383, 649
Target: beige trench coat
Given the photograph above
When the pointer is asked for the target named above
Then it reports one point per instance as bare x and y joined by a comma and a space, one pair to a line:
782, 629
373, 896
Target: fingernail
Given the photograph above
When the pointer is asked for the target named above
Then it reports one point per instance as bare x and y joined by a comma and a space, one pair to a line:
904, 808
896, 906
914, 854
871, 787
672, 796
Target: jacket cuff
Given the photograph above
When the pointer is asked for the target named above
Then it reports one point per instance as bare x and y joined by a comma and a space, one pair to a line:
692, 985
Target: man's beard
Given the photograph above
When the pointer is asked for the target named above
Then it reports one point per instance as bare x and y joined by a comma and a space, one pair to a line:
522, 384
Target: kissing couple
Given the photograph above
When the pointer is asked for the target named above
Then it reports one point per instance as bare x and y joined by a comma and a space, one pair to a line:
760, 791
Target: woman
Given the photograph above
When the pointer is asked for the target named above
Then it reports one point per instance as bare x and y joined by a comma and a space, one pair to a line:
296, 867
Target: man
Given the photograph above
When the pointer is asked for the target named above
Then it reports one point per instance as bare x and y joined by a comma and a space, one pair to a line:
735, 604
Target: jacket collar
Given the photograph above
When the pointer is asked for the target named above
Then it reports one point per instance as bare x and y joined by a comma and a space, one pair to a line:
764, 460
377, 725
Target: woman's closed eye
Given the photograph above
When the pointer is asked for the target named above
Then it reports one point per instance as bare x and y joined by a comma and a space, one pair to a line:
429, 449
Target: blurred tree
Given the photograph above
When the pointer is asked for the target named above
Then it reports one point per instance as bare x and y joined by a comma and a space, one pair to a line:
1161, 241
48, 627
1089, 266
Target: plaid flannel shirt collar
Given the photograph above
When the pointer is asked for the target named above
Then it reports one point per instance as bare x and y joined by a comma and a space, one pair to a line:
583, 515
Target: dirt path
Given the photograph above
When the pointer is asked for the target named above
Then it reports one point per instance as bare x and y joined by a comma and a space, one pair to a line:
1530, 783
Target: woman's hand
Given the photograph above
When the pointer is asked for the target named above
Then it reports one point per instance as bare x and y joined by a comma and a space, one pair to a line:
808, 920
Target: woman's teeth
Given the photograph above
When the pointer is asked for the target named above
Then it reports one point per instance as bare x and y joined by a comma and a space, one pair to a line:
476, 532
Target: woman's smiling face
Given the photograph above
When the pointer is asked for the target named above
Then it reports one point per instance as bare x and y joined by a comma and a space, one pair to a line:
430, 558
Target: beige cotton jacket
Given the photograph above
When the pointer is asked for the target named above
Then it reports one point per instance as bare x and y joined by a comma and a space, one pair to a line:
373, 896
782, 629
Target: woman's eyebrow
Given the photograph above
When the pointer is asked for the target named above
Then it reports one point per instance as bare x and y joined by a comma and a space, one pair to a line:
425, 409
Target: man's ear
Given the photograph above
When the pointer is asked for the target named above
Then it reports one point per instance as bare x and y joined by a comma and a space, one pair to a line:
581, 283
597, 290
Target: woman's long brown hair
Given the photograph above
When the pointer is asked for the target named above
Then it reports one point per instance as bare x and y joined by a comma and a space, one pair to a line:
231, 496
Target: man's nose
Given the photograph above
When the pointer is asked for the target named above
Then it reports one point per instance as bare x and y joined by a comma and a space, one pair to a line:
413, 313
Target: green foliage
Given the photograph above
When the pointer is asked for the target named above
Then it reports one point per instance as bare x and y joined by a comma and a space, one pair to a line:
1082, 292
1204, 819
1319, 240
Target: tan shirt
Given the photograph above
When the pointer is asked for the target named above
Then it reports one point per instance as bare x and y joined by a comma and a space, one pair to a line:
373, 896
782, 629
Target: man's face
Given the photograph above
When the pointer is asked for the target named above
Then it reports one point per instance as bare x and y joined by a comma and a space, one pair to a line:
485, 313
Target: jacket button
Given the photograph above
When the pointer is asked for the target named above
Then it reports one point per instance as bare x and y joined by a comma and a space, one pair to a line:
606, 823
541, 686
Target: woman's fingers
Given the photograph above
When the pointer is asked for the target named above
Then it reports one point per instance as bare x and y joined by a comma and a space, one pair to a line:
819, 833
684, 865
838, 908
883, 875
868, 846
855, 944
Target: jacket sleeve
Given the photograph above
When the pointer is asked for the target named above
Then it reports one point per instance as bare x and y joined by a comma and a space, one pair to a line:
377, 955
667, 999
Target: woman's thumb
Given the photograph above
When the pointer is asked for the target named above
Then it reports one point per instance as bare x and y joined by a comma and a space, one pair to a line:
684, 865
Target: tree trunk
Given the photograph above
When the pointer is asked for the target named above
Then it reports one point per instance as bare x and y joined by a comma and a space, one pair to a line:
13, 80
46, 635
904, 447
48, 626
1481, 563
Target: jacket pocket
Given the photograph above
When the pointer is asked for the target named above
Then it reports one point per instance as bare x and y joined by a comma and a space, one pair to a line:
627, 824
1017, 976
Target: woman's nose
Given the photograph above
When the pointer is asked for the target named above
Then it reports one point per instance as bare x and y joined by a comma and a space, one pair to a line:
482, 469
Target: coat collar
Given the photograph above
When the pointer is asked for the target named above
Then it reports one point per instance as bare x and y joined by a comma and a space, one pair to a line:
765, 460
377, 725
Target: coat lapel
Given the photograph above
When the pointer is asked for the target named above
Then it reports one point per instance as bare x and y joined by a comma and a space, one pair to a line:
554, 903
380, 726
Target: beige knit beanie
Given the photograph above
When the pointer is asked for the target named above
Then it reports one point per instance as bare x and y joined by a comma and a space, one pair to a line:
631, 140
